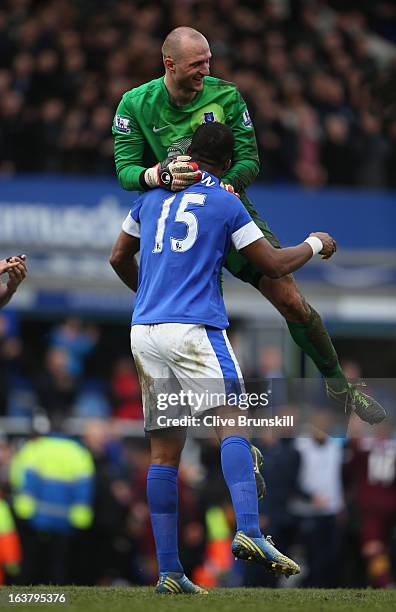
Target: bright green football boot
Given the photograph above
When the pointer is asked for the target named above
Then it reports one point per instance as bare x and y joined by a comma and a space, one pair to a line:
354, 400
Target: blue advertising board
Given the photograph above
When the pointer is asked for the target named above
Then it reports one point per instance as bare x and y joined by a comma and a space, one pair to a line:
67, 226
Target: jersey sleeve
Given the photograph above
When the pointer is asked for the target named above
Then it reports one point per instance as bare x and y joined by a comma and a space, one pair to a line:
131, 224
243, 228
128, 146
245, 162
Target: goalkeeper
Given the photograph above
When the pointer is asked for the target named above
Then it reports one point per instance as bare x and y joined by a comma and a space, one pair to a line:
156, 122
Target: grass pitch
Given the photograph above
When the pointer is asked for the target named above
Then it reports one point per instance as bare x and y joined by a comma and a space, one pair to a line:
143, 599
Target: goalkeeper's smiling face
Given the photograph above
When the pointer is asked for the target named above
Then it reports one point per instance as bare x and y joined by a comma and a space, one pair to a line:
192, 67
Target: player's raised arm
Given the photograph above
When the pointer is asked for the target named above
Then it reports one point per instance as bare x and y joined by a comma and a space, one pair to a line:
245, 159
276, 263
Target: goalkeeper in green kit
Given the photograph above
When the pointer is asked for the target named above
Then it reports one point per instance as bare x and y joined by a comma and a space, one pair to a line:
153, 127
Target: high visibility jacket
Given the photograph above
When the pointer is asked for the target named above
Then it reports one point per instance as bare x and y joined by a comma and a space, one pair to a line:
53, 478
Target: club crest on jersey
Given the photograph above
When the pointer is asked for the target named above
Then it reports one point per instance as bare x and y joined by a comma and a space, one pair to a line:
121, 124
209, 117
247, 122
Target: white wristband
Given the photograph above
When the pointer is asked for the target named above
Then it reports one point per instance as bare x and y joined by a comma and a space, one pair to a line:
151, 177
315, 243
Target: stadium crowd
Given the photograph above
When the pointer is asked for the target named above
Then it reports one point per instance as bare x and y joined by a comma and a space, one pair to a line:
61, 376
305, 68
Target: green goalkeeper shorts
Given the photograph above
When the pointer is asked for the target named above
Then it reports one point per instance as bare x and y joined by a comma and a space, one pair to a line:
236, 263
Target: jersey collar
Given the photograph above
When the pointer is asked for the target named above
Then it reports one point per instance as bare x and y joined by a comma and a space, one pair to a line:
185, 106
211, 176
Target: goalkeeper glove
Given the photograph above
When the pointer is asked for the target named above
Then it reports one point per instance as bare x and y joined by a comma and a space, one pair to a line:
229, 188
173, 174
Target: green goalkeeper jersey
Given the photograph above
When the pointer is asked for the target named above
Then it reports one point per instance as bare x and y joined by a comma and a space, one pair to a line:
148, 128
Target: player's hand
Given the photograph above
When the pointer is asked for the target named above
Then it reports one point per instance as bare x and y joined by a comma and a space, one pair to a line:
329, 244
173, 174
229, 188
17, 272
6, 265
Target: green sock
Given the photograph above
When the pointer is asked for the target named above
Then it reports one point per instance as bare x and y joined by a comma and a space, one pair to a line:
313, 339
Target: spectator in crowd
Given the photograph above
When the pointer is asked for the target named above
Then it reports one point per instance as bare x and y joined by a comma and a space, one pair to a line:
53, 493
269, 375
91, 400
270, 362
337, 152
77, 340
306, 143
370, 479
56, 388
321, 479
372, 152
296, 63
105, 548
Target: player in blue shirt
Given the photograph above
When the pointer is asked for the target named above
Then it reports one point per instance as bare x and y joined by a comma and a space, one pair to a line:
179, 342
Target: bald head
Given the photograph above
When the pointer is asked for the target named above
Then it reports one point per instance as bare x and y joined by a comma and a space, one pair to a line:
186, 55
181, 41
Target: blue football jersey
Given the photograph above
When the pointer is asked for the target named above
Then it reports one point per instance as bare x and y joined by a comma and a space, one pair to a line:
184, 240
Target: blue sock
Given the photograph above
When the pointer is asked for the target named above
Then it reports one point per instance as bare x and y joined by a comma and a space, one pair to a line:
162, 499
237, 464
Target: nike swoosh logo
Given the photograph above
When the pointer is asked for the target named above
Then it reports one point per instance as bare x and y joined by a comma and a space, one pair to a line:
156, 130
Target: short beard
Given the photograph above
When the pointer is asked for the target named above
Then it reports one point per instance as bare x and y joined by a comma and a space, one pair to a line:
186, 85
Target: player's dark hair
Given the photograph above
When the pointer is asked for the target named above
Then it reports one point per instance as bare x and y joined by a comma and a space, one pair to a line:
212, 143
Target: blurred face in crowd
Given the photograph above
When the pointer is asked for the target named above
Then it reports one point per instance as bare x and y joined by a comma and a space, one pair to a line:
189, 65
321, 425
96, 435
337, 129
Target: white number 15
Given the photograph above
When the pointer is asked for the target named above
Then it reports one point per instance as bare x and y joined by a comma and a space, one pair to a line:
182, 216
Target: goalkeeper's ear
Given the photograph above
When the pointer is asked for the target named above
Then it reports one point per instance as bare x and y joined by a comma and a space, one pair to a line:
168, 63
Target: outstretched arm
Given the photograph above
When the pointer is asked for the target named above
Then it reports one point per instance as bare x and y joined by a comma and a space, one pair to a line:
276, 263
